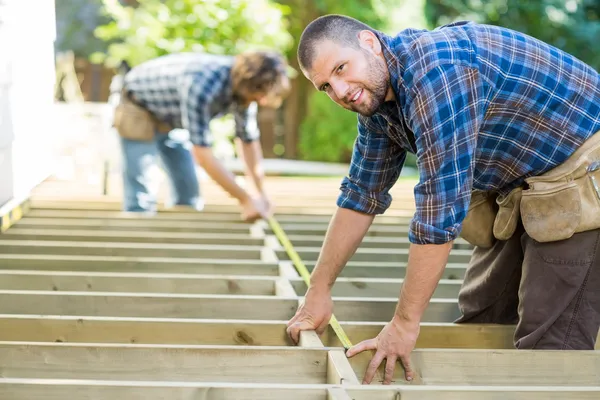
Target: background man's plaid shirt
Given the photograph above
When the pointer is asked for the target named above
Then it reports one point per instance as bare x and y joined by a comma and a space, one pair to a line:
487, 107
188, 90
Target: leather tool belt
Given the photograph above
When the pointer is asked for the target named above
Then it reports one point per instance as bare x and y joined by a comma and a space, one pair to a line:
553, 206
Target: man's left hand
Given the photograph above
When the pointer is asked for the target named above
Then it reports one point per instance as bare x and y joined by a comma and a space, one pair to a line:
395, 342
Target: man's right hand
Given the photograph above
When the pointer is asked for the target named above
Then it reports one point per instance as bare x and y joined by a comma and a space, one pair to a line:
313, 314
255, 208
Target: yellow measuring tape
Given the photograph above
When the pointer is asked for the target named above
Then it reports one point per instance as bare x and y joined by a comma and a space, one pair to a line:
303, 271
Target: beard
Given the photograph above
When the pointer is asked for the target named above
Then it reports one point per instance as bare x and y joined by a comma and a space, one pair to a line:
374, 89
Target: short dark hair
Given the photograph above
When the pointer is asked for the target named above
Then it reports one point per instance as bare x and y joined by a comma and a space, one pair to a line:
338, 28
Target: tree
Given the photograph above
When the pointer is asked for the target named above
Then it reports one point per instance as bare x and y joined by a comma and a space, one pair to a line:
158, 27
571, 25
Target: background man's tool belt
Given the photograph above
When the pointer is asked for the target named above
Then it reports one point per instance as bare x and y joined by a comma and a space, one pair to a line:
134, 122
553, 206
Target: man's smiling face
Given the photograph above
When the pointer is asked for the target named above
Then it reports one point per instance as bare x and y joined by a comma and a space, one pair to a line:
355, 78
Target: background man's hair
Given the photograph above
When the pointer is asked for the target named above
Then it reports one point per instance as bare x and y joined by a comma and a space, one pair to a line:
263, 72
338, 28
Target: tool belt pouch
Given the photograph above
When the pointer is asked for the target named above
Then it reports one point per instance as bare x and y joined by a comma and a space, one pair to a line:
477, 227
507, 218
564, 200
133, 122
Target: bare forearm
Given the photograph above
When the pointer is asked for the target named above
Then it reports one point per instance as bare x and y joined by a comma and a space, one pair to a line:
424, 270
345, 233
251, 155
215, 169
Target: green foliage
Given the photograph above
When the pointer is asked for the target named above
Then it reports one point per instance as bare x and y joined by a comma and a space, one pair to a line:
75, 24
159, 27
571, 25
328, 131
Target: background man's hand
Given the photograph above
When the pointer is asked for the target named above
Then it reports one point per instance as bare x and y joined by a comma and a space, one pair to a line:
313, 314
256, 208
395, 342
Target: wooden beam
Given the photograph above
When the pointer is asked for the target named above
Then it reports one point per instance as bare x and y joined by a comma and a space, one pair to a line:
137, 224
378, 242
59, 389
498, 367
371, 254
214, 216
392, 270
53, 389
459, 392
203, 306
152, 330
12, 211
74, 329
47, 262
82, 235
121, 249
379, 287
163, 362
136, 282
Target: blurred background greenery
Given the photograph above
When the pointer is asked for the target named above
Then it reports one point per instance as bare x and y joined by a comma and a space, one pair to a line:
309, 126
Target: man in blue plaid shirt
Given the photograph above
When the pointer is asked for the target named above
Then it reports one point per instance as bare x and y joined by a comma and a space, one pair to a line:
185, 92
488, 112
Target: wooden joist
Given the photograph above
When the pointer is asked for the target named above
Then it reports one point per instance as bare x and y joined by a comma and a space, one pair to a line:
202, 306
302, 365
75, 389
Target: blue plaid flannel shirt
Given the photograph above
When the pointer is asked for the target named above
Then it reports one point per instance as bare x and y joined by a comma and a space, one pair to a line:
481, 107
187, 90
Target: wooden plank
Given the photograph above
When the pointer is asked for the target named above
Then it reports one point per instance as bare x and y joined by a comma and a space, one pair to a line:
229, 332
339, 370
136, 282
379, 287
78, 389
378, 242
12, 211
231, 217
120, 249
203, 306
146, 305
493, 368
82, 235
370, 254
74, 329
224, 266
392, 270
73, 389
163, 362
474, 393
132, 225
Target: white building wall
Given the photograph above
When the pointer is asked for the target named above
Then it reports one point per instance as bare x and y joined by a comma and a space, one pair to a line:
27, 75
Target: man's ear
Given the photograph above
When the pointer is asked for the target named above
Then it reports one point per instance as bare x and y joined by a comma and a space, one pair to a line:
369, 41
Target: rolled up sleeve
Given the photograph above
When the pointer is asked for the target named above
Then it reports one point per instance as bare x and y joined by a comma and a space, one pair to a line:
246, 123
374, 169
444, 113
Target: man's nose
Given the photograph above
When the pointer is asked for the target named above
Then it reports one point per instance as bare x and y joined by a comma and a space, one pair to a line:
340, 88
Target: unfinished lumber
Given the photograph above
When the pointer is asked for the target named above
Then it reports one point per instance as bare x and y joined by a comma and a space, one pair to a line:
493, 368
78, 389
153, 330
121, 249
163, 362
373, 254
48, 262
83, 235
136, 282
383, 242
136, 224
379, 287
203, 306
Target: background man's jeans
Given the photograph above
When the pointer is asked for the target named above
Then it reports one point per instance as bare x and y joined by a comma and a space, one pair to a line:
140, 161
